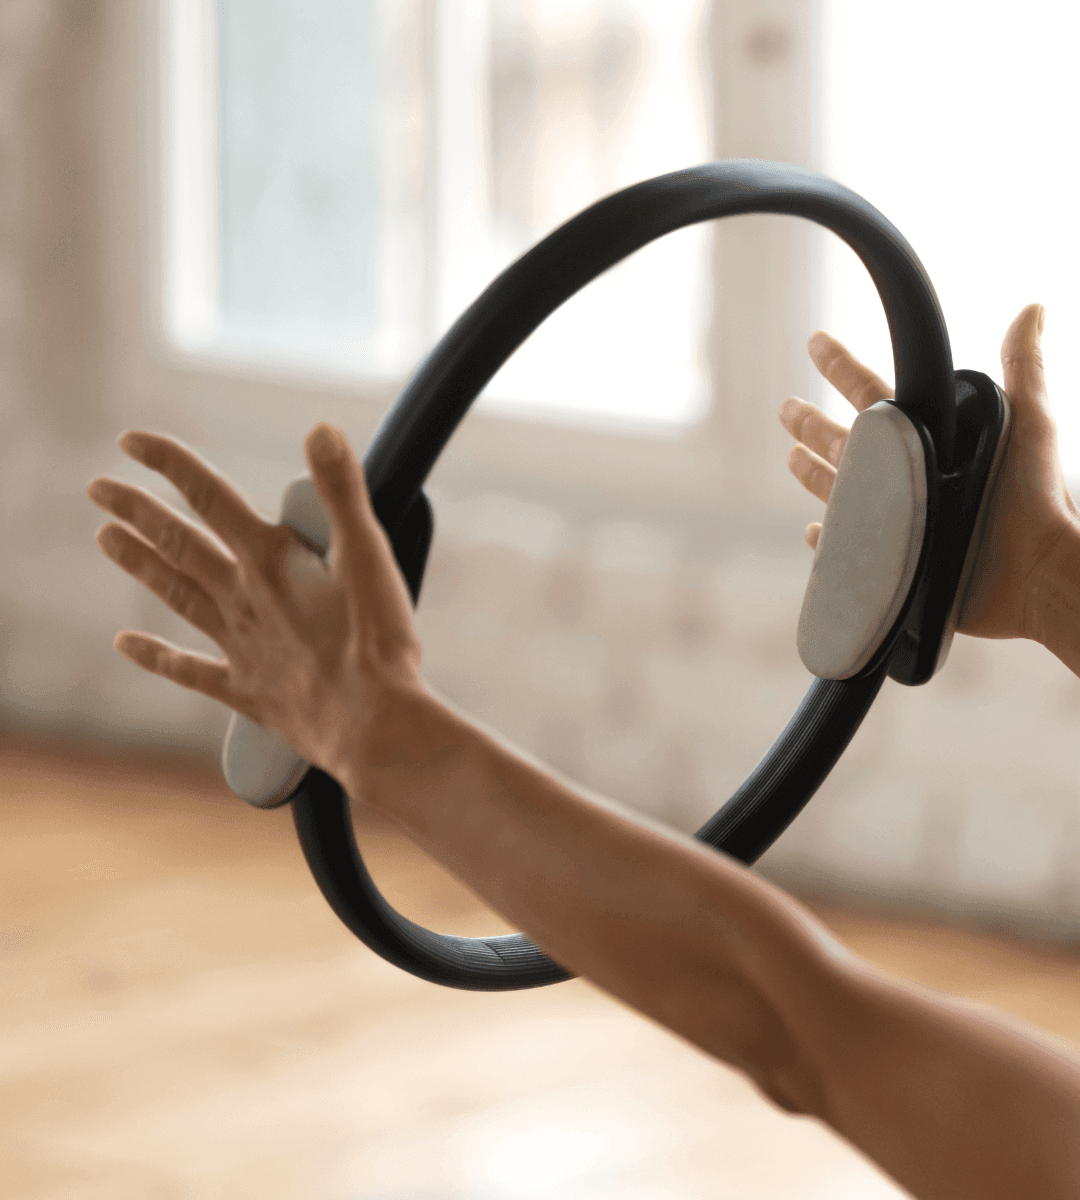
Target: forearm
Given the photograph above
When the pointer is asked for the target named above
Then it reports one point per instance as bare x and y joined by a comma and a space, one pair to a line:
954, 1101
685, 935
1054, 604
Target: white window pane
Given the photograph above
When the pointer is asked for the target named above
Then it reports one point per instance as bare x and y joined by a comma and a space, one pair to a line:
958, 122
583, 99
319, 229
371, 187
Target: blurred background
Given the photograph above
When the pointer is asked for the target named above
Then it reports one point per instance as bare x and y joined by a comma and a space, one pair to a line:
228, 221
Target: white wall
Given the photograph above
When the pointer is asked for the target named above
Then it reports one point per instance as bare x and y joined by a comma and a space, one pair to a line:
625, 609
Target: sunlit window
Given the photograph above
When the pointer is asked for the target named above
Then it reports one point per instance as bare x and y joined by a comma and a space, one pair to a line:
372, 165
959, 123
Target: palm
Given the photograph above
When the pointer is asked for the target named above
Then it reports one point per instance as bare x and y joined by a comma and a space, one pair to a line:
312, 612
1031, 507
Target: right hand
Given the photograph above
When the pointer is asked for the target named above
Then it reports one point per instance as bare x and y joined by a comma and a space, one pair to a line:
1031, 508
322, 658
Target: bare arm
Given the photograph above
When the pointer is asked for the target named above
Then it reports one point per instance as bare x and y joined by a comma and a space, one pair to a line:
687, 936
984, 1103
953, 1100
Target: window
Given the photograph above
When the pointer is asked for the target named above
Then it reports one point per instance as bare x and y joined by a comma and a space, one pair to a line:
958, 123
347, 175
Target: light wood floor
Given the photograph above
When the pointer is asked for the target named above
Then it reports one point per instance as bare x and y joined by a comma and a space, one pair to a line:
183, 1016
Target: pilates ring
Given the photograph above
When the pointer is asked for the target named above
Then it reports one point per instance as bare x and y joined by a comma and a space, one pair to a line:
891, 572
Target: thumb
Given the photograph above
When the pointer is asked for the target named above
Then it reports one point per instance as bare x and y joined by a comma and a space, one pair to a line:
375, 588
339, 479
1022, 359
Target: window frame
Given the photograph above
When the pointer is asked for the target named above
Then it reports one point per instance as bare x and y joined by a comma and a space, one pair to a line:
732, 462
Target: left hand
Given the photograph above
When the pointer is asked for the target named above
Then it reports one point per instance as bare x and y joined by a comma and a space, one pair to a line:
314, 648
1031, 509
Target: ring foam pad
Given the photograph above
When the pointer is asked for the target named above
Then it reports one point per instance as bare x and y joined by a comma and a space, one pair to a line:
258, 765
869, 544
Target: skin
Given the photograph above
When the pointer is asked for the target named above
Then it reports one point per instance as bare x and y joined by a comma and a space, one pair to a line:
952, 1099
1031, 511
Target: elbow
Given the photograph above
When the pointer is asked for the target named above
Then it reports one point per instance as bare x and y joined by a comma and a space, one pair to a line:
776, 1063
793, 1087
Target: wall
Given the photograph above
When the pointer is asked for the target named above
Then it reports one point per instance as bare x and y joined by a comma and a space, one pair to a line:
657, 663
624, 609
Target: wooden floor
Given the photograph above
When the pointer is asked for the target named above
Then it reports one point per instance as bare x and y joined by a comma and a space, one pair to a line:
181, 1015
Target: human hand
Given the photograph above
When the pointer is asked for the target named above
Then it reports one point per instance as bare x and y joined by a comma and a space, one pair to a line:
1031, 508
314, 648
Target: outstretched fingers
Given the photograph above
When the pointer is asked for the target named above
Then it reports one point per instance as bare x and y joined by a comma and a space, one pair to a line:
193, 671
815, 430
821, 440
211, 496
860, 386
180, 542
181, 593
812, 471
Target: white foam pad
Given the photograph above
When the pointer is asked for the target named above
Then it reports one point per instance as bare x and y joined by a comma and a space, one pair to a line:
258, 765
869, 546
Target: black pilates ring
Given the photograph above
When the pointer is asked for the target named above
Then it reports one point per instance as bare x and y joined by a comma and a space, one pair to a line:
944, 406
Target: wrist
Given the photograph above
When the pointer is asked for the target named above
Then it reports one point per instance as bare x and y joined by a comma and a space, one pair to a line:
406, 740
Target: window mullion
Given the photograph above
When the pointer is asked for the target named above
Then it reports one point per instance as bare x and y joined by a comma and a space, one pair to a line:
766, 288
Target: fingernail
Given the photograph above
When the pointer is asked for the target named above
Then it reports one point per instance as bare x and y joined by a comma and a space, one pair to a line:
1042, 319
819, 340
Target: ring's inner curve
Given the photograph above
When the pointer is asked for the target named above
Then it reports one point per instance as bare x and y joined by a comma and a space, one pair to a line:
440, 393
